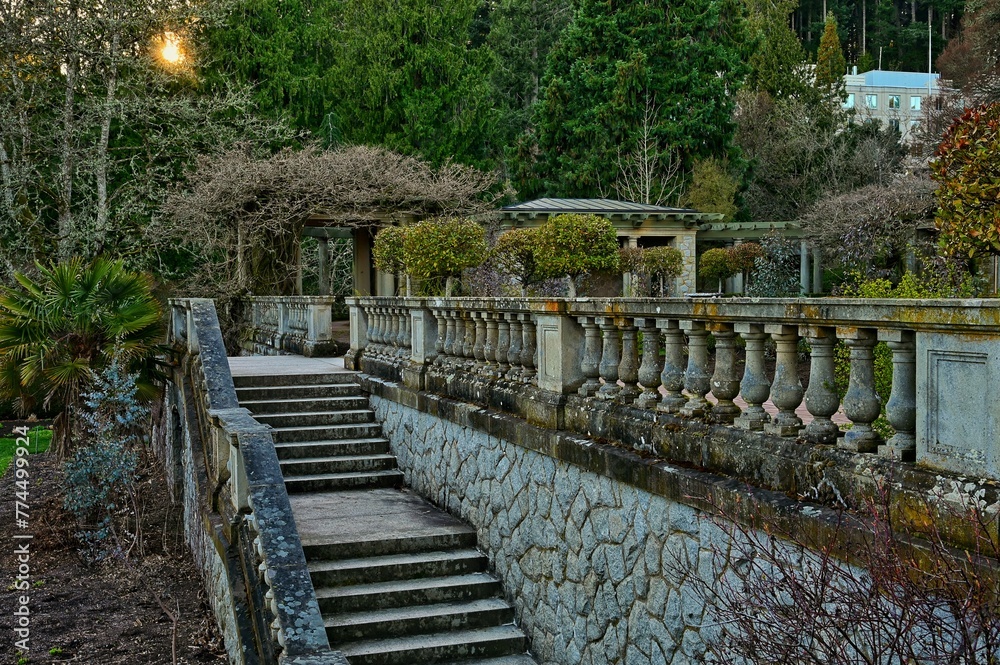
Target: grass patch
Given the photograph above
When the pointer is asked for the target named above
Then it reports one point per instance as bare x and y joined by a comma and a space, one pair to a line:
39, 437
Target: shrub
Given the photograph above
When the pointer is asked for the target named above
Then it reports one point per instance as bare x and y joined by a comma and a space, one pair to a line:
443, 248
514, 255
715, 264
572, 245
101, 476
663, 263
776, 273
387, 251
712, 189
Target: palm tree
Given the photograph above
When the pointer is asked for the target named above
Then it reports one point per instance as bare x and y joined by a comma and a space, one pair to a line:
56, 332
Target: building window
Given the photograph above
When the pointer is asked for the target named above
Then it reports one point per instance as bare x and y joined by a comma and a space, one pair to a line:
894, 124
871, 101
849, 102
894, 101
914, 103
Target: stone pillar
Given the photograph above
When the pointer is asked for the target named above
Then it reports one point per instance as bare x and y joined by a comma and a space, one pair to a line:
628, 368
479, 346
817, 280
324, 266
362, 262
901, 409
672, 375
503, 345
822, 400
861, 403
687, 281
610, 357
803, 267
514, 351
649, 370
528, 348
725, 380
590, 363
755, 386
490, 346
738, 285
442, 329
786, 389
697, 380
469, 340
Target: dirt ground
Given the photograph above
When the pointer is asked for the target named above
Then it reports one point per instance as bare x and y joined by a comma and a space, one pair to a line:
107, 613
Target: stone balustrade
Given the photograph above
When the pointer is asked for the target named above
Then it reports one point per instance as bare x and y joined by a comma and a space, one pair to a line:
946, 354
291, 324
236, 494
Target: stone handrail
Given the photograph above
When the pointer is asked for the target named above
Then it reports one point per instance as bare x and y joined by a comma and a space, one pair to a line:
291, 324
632, 352
247, 491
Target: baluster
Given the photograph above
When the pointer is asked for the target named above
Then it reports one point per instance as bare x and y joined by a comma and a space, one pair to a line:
370, 334
628, 368
755, 386
528, 347
610, 357
386, 331
490, 347
449, 339
725, 380
405, 341
901, 409
479, 347
377, 332
514, 352
649, 370
861, 403
469, 342
503, 344
442, 325
591, 356
786, 389
822, 400
393, 332
672, 375
697, 380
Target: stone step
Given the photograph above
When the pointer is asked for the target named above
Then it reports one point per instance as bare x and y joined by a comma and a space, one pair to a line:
433, 648
315, 418
454, 538
516, 659
305, 404
326, 432
311, 466
301, 449
400, 593
422, 619
341, 481
308, 391
409, 565
271, 380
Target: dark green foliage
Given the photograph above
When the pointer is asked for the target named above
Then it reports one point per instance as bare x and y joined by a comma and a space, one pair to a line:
830, 63
715, 264
387, 252
778, 64
611, 64
514, 255
776, 273
573, 245
443, 248
713, 188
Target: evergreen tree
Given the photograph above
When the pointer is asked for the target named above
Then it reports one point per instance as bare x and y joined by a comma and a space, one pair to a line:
778, 63
830, 62
616, 59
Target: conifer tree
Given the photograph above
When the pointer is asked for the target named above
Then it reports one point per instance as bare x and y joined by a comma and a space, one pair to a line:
616, 57
778, 63
830, 63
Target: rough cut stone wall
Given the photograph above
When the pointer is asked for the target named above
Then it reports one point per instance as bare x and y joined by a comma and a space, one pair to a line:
587, 560
687, 281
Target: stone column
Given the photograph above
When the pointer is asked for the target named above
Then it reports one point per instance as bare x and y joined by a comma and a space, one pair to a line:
490, 346
901, 409
822, 400
755, 386
817, 281
514, 352
649, 370
503, 345
589, 366
404, 333
610, 357
672, 375
469, 339
442, 329
528, 347
803, 267
786, 389
725, 380
362, 261
628, 368
323, 245
697, 380
451, 337
479, 346
861, 403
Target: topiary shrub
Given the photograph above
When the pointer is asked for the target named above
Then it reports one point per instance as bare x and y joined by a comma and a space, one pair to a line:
387, 251
663, 263
715, 264
514, 255
573, 245
743, 258
630, 261
776, 273
442, 248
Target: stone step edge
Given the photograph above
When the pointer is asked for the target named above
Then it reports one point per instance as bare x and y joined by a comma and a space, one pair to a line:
432, 640
430, 556
344, 476
402, 586
384, 457
351, 619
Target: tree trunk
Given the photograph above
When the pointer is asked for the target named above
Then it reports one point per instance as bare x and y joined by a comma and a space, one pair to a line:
66, 166
102, 145
8, 185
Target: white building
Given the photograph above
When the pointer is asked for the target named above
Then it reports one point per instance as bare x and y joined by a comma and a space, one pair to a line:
895, 98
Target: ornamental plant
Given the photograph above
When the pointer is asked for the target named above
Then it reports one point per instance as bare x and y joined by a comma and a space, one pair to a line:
967, 171
443, 248
514, 255
744, 257
716, 264
573, 245
387, 251
663, 263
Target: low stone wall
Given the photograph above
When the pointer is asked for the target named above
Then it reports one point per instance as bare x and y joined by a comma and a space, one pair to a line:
588, 560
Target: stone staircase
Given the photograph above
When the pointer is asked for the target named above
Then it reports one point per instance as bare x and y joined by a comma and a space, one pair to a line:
399, 582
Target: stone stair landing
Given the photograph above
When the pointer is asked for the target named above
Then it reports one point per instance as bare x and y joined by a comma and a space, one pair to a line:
399, 581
